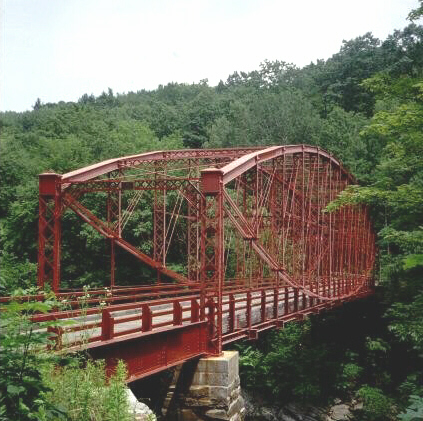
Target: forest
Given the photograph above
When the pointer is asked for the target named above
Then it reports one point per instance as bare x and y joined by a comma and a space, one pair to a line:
364, 105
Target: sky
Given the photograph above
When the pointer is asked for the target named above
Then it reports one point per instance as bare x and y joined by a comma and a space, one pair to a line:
58, 50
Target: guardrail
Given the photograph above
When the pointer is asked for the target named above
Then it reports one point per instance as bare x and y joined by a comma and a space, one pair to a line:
245, 313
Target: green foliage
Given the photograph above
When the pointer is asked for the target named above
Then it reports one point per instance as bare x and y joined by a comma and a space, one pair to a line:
411, 386
348, 353
37, 384
397, 186
21, 386
416, 13
82, 390
251, 367
376, 405
285, 366
16, 274
349, 377
395, 193
340, 136
406, 321
357, 60
414, 411
265, 118
117, 407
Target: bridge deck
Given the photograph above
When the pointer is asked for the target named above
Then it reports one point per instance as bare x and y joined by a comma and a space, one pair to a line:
107, 332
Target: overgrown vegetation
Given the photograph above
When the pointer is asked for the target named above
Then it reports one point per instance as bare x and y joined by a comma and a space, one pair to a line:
22, 390
364, 104
85, 394
348, 353
38, 384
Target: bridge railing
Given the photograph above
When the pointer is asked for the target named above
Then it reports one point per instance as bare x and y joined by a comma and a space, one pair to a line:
248, 313
98, 324
120, 294
244, 313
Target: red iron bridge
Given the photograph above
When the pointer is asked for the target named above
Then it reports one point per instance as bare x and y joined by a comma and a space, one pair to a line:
259, 249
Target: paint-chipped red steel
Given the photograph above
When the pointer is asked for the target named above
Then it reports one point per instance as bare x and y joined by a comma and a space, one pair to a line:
260, 250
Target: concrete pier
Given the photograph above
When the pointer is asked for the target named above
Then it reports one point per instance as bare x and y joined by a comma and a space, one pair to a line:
206, 389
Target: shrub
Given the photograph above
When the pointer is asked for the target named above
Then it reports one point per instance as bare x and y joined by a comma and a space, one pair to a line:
414, 411
376, 405
83, 391
349, 377
37, 384
21, 387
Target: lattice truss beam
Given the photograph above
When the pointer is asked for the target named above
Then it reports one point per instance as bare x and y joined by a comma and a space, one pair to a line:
278, 230
249, 217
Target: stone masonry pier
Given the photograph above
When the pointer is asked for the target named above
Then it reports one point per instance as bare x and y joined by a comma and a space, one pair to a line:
206, 389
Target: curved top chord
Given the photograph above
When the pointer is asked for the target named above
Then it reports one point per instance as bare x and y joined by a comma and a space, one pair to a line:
104, 167
211, 176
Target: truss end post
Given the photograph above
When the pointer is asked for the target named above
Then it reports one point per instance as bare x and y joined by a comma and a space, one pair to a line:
49, 230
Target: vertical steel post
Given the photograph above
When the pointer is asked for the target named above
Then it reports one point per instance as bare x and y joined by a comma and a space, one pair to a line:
213, 249
159, 209
286, 301
193, 234
57, 237
49, 235
220, 265
114, 221
203, 256
232, 314
112, 263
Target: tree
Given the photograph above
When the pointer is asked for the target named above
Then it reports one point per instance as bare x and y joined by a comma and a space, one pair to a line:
37, 104
358, 59
396, 196
416, 13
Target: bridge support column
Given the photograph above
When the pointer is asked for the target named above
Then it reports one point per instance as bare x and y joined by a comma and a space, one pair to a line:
49, 230
206, 389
